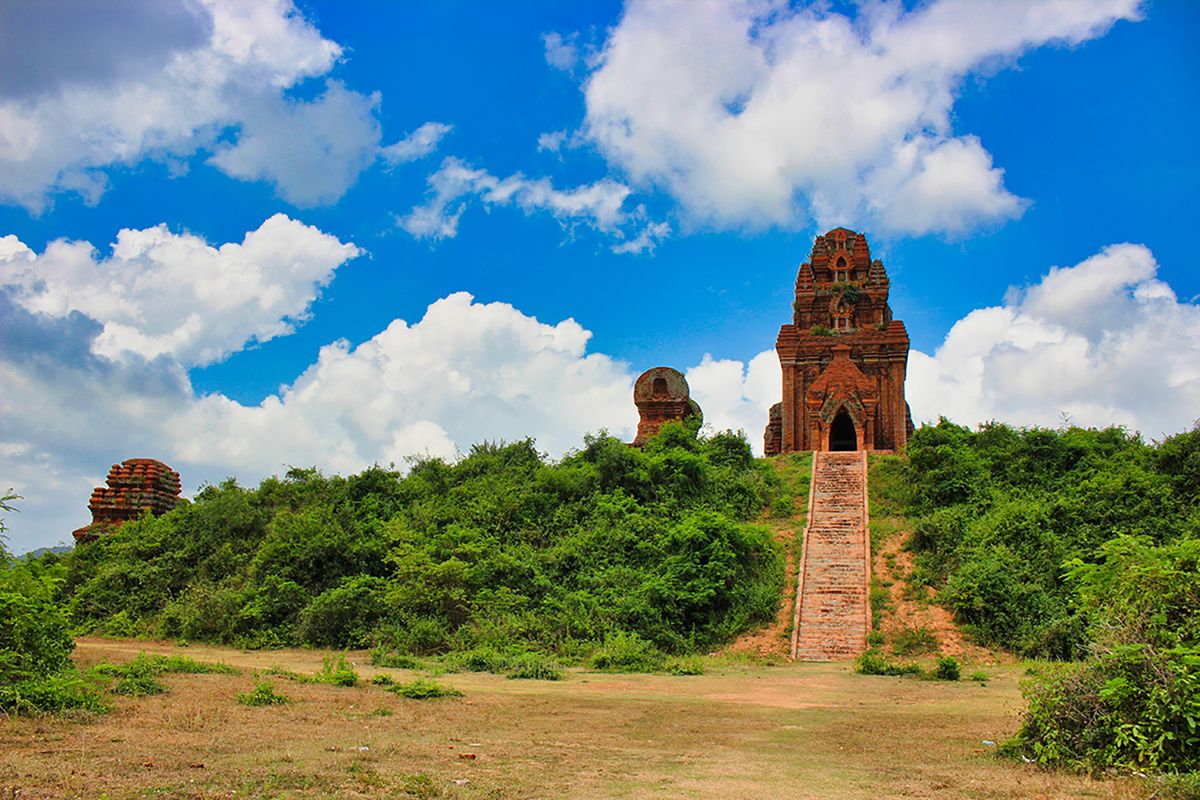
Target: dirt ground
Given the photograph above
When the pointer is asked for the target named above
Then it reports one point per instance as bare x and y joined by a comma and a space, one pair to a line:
742, 730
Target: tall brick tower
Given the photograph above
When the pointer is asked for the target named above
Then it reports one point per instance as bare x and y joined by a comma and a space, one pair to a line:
843, 357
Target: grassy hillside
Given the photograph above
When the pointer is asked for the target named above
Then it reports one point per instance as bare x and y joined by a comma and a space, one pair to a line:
650, 549
1078, 545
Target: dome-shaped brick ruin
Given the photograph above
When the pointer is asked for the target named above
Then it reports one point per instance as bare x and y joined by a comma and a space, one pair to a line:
135, 486
661, 395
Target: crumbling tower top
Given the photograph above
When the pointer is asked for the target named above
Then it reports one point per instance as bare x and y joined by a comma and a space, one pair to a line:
135, 486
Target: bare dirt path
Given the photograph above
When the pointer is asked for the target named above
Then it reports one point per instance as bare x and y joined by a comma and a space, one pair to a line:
793, 730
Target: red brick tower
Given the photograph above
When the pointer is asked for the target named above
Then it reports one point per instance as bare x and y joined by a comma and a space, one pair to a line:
843, 357
661, 395
135, 486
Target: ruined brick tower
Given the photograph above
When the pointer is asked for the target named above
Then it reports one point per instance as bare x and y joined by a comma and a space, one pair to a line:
661, 395
135, 486
843, 357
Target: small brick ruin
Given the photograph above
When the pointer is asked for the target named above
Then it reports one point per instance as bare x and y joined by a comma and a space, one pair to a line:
843, 356
135, 486
661, 395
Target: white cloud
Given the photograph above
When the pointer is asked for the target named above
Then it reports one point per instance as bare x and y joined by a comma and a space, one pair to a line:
224, 68
312, 151
646, 239
561, 51
464, 373
1101, 342
418, 144
162, 293
551, 141
598, 205
737, 396
758, 113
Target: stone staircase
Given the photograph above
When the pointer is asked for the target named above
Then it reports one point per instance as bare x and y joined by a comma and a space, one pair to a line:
833, 614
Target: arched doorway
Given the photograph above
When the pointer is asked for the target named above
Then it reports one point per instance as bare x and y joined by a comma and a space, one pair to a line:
842, 433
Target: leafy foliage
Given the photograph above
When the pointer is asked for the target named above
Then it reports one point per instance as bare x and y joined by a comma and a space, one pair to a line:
424, 690
501, 550
947, 669
872, 662
1074, 544
1000, 511
139, 677
263, 694
36, 671
1135, 702
336, 672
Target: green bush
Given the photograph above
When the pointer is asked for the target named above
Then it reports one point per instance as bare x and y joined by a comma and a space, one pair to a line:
66, 690
36, 671
627, 652
501, 550
346, 614
381, 657
914, 641
34, 640
947, 669
480, 659
263, 694
137, 678
337, 672
875, 663
534, 666
1134, 703
424, 690
691, 665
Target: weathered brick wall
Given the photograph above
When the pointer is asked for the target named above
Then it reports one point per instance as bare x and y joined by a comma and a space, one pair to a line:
135, 486
842, 299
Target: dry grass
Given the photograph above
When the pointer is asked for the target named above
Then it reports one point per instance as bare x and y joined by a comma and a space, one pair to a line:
795, 731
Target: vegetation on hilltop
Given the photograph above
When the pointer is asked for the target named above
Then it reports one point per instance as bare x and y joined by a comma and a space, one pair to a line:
36, 671
501, 550
1073, 544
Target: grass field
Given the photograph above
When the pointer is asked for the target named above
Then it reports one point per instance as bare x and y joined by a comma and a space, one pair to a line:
742, 730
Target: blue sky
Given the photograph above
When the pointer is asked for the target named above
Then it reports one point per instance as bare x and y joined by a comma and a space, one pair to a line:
306, 191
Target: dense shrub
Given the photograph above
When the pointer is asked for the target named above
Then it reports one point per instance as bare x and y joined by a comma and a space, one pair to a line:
424, 690
36, 671
501, 551
1074, 544
947, 669
998, 512
627, 652
263, 694
1135, 701
872, 662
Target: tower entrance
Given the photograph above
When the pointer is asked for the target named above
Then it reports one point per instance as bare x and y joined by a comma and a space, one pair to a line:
842, 433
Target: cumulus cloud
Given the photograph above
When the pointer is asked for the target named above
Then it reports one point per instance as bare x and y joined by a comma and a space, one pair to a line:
761, 113
47, 43
67, 413
165, 79
339, 139
463, 373
418, 144
598, 205
169, 294
1102, 342
736, 395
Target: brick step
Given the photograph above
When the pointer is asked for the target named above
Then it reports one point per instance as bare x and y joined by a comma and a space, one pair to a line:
832, 605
